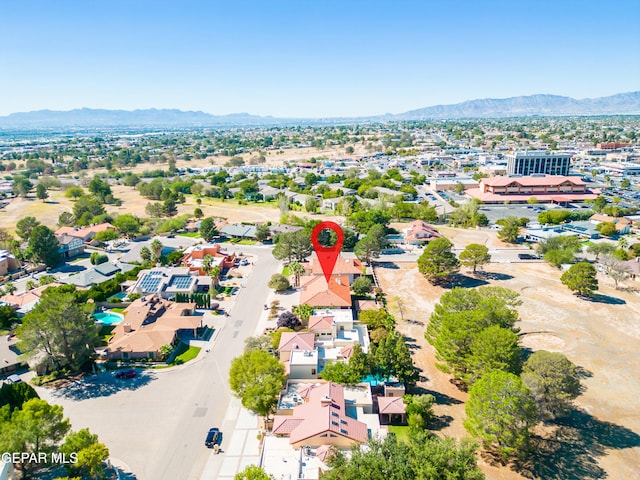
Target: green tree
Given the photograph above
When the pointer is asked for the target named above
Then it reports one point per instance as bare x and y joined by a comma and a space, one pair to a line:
340, 372
253, 472
293, 246
169, 208
279, 282
581, 278
599, 203
62, 329
391, 357
303, 311
362, 286
553, 381
262, 232
107, 235
438, 263
8, 316
156, 248
66, 219
41, 192
145, 254
601, 248
96, 258
25, 226
43, 247
475, 255
297, 269
310, 205
35, 428
373, 243
494, 348
197, 212
208, 229
606, 229
501, 411
559, 257
86, 208
100, 189
74, 192
419, 410
91, 454
423, 456
374, 319
510, 229
257, 378
128, 224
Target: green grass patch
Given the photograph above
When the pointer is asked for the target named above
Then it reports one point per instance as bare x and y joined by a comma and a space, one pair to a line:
243, 241
117, 309
106, 334
286, 271
190, 234
184, 354
401, 432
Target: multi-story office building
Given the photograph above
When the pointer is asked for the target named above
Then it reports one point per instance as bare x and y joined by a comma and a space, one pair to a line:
535, 161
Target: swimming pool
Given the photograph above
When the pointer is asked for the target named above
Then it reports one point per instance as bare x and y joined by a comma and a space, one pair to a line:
108, 318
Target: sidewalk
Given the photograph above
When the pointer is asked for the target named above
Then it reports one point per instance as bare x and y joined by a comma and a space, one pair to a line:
240, 447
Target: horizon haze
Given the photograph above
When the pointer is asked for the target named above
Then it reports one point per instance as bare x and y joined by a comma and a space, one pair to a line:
310, 60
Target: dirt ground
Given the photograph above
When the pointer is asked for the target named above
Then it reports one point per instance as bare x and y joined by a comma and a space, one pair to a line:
132, 202
601, 336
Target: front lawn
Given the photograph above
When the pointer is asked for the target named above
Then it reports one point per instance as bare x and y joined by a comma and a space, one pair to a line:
243, 241
190, 234
401, 432
185, 353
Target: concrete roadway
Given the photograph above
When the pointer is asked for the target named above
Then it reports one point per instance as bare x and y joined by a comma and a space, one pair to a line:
156, 423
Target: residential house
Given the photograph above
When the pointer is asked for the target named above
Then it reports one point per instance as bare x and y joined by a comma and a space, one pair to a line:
70, 246
8, 263
582, 229
149, 323
420, 232
87, 234
25, 302
351, 268
239, 231
167, 281
290, 341
194, 256
317, 293
623, 225
98, 274
325, 417
10, 359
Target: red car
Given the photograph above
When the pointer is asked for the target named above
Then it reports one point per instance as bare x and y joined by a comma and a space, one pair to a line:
126, 374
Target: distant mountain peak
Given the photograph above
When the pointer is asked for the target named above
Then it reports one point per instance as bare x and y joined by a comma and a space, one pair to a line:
529, 105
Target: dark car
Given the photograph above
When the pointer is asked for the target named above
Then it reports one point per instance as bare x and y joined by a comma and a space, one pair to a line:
214, 437
126, 374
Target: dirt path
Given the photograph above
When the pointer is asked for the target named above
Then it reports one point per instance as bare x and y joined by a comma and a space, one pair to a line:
602, 337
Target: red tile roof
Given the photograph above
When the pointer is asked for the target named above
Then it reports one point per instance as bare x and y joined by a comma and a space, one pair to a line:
296, 341
531, 181
391, 405
317, 293
323, 413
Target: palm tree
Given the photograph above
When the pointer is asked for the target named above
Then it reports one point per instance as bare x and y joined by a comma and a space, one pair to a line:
156, 248
145, 254
297, 269
207, 264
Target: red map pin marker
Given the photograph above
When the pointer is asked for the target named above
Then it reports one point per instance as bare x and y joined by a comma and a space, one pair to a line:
327, 256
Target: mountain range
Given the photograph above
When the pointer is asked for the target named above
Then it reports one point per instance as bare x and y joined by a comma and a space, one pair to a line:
531, 105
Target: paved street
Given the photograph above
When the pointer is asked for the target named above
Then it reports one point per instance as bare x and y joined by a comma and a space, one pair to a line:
157, 422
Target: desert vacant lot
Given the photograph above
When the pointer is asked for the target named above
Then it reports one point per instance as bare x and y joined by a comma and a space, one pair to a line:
602, 337
132, 202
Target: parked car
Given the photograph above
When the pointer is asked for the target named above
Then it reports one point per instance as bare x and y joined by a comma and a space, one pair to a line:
125, 374
13, 379
214, 437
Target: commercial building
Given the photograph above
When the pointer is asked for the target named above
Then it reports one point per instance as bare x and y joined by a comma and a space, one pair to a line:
545, 188
537, 161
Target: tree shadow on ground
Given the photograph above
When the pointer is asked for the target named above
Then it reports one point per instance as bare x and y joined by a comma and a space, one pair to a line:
466, 282
389, 265
441, 398
493, 276
103, 385
572, 451
600, 298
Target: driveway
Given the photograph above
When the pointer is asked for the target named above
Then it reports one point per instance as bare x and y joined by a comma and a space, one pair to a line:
156, 423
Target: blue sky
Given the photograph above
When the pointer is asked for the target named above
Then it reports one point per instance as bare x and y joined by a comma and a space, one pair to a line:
309, 58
